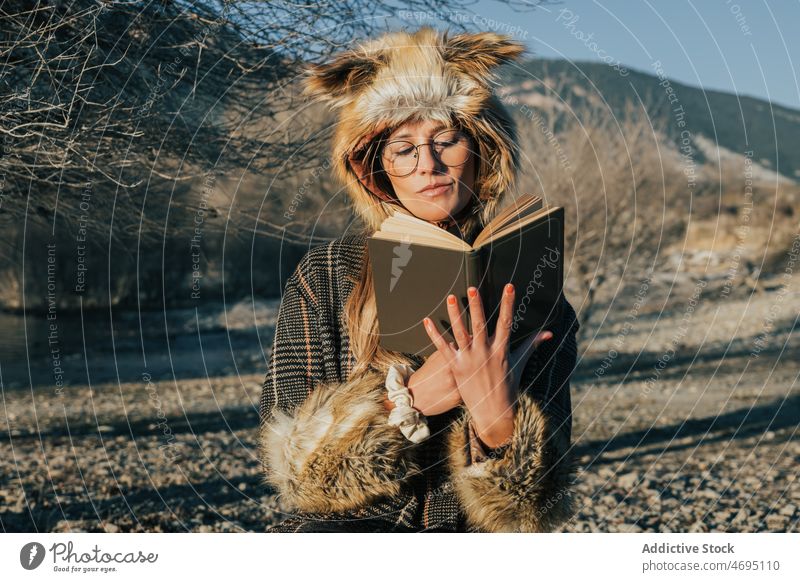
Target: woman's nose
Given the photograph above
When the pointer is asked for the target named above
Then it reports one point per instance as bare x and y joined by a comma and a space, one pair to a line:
427, 161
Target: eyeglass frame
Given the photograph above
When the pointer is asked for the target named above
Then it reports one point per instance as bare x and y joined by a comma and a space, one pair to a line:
416, 147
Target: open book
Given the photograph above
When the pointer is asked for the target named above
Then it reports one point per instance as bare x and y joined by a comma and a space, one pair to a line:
416, 265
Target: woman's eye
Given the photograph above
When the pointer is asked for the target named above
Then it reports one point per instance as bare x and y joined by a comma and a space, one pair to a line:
404, 152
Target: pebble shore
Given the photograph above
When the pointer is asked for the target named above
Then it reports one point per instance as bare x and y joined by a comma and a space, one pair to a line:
711, 444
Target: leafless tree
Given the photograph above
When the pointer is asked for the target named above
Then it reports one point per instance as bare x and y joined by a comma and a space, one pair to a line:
112, 111
617, 178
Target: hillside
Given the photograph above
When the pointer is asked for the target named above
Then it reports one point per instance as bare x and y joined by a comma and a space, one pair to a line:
735, 123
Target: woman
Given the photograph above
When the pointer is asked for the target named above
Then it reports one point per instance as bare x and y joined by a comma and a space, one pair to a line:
419, 130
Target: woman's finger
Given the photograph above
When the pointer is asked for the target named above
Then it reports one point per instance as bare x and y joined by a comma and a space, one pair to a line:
460, 333
542, 337
522, 353
438, 339
477, 315
502, 331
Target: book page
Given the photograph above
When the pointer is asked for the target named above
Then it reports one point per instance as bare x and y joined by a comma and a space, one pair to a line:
402, 227
521, 208
406, 238
517, 225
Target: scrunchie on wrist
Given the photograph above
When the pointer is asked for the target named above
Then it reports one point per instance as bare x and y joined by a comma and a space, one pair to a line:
412, 422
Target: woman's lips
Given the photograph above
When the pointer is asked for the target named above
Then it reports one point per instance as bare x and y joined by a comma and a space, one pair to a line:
438, 191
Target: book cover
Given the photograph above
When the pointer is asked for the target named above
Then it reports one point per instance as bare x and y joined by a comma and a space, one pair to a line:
413, 279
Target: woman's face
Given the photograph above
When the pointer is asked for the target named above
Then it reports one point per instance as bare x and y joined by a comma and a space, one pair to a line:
430, 204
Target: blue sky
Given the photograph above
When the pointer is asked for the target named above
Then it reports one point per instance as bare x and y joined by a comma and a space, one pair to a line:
744, 46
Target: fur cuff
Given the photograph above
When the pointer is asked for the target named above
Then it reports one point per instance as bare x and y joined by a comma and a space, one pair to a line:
528, 488
336, 452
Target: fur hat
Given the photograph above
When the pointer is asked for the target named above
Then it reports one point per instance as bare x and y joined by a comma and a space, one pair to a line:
425, 75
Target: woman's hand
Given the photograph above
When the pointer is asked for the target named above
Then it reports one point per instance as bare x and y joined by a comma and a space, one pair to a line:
486, 372
433, 386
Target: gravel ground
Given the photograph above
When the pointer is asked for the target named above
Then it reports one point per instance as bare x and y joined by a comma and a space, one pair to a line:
707, 441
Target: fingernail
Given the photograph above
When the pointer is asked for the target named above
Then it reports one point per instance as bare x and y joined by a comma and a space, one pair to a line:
547, 335
509, 288
472, 291
426, 322
451, 299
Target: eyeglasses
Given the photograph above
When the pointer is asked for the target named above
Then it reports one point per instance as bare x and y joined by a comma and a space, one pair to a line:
451, 147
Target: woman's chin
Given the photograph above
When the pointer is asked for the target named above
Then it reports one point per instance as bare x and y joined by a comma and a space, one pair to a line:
432, 210
432, 215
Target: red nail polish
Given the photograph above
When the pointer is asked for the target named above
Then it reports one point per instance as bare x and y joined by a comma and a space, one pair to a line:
472, 291
509, 288
451, 299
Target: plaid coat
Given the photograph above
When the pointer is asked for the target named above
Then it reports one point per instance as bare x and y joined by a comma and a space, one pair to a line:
338, 466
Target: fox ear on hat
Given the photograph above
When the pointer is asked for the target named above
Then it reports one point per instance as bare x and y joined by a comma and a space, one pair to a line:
478, 53
343, 75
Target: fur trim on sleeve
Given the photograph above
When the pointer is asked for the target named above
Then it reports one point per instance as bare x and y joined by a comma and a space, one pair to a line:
528, 488
336, 452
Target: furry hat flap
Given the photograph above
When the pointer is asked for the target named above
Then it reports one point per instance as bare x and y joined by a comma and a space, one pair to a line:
425, 75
